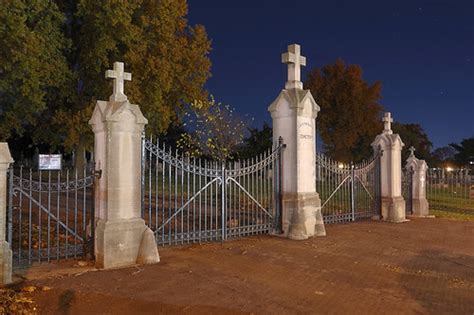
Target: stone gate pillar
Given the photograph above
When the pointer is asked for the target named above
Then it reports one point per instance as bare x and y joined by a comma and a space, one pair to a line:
121, 236
294, 115
420, 205
393, 204
5, 251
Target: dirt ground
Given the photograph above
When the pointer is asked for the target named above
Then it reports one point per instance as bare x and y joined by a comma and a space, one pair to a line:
422, 266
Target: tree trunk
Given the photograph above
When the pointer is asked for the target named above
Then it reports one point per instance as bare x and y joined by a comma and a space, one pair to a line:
80, 156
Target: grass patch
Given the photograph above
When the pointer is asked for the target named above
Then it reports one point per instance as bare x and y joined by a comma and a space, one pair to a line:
452, 215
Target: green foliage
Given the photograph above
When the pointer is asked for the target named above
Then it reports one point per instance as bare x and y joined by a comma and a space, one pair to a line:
33, 67
465, 152
168, 59
413, 135
216, 130
55, 53
350, 111
258, 142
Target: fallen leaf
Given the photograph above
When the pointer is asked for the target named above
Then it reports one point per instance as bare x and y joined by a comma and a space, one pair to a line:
29, 289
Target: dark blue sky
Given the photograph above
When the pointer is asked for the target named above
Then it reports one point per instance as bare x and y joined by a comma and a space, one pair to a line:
422, 51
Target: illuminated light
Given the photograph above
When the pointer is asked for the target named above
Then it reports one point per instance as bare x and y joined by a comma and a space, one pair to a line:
340, 165
449, 169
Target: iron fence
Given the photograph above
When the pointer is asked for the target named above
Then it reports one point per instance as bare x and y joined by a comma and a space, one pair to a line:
189, 200
450, 190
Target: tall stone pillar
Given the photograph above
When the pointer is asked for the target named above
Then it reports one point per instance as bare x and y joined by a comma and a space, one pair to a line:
5, 251
121, 236
294, 115
420, 205
393, 204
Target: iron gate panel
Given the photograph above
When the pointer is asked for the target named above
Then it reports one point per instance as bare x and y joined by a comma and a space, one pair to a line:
348, 191
189, 200
50, 214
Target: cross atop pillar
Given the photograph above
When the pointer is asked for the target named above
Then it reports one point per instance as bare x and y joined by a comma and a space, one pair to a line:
412, 151
387, 120
294, 60
119, 77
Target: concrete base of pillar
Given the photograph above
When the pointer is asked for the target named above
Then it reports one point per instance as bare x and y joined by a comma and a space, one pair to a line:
420, 207
5, 264
302, 216
393, 209
123, 243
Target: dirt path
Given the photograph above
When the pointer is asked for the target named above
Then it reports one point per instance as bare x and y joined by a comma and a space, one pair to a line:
423, 266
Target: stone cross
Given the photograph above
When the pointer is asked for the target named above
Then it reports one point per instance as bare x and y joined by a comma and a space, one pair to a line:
294, 60
387, 120
119, 77
412, 151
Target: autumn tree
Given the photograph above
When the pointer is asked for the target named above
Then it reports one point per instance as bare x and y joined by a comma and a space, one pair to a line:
55, 53
350, 111
215, 130
413, 135
167, 57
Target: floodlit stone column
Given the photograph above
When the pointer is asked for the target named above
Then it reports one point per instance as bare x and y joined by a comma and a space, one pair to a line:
121, 236
5, 251
393, 204
420, 205
294, 115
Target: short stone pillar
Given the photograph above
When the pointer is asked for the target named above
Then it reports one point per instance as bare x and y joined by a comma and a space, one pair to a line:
419, 168
5, 251
121, 236
294, 115
393, 204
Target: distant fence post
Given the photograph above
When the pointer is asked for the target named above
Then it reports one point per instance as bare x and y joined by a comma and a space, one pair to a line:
121, 236
393, 204
5, 251
294, 115
419, 202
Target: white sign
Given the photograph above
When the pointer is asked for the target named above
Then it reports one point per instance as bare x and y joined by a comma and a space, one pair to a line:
50, 161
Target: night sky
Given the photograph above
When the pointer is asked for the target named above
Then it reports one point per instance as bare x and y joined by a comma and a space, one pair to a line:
422, 51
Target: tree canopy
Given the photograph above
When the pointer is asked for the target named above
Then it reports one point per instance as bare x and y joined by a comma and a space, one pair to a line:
465, 152
258, 142
350, 111
56, 54
215, 130
33, 65
413, 135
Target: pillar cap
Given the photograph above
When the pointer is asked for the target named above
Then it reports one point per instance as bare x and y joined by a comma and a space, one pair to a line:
296, 99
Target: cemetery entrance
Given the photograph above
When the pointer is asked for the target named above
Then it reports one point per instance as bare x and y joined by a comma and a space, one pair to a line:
50, 214
348, 192
193, 200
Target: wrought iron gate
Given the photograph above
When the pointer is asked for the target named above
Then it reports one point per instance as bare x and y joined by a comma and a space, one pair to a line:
188, 200
348, 192
49, 214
